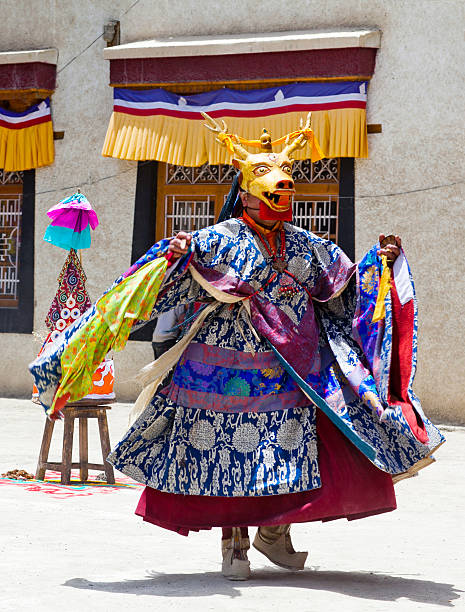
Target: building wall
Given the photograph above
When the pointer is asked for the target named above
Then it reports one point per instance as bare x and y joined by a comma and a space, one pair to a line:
416, 94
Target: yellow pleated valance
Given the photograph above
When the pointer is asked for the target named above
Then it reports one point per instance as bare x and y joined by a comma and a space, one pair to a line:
26, 139
163, 126
340, 133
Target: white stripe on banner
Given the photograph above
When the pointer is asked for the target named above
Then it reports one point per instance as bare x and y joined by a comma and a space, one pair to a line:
42, 111
238, 106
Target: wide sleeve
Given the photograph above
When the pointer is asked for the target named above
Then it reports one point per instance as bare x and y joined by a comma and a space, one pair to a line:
345, 314
332, 270
63, 372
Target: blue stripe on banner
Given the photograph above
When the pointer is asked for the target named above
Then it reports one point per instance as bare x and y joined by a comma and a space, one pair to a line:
320, 403
243, 96
27, 112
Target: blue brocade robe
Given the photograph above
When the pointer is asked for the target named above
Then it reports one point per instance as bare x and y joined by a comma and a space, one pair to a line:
233, 422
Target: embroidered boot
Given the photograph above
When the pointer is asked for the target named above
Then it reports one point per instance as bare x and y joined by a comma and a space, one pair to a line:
236, 566
275, 543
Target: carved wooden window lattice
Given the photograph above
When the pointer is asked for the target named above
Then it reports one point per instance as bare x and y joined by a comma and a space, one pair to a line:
188, 214
220, 174
11, 196
304, 171
318, 216
189, 198
11, 178
322, 171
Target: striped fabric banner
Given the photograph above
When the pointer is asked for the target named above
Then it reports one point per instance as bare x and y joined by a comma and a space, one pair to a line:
26, 139
163, 126
298, 97
39, 113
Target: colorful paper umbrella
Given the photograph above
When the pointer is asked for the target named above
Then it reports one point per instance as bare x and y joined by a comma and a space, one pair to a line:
72, 219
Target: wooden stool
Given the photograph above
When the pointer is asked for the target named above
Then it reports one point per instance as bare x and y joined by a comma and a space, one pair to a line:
83, 412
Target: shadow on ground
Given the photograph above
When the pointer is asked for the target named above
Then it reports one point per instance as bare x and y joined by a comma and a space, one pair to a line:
361, 585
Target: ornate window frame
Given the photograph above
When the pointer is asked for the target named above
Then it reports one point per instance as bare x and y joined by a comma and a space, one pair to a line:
20, 319
144, 227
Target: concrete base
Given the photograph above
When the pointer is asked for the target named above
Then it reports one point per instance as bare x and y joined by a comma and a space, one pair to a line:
92, 553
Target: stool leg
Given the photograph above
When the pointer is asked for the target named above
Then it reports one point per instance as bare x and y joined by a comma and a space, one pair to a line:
105, 444
83, 449
44, 449
67, 454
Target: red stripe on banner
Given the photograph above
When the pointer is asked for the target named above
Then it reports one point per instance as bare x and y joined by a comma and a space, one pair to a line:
146, 112
25, 124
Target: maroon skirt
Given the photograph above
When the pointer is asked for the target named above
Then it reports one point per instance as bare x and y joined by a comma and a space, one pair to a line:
352, 487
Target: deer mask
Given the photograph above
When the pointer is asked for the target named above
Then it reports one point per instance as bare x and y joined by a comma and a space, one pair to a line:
265, 175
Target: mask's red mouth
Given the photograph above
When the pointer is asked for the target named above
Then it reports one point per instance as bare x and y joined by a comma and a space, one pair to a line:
279, 200
268, 214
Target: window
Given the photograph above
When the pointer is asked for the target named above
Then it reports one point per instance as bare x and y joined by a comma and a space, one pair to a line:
168, 197
16, 251
191, 198
11, 196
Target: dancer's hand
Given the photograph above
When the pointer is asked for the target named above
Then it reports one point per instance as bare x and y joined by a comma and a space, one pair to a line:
179, 245
391, 250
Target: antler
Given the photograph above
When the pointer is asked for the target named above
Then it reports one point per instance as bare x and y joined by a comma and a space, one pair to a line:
300, 141
213, 125
225, 139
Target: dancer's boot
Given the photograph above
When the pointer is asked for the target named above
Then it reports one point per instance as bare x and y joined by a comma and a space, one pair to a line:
235, 566
275, 543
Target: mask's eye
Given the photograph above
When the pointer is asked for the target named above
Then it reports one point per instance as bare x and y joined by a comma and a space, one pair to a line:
287, 168
261, 170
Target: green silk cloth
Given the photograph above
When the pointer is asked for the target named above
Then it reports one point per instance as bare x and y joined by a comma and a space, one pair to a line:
131, 300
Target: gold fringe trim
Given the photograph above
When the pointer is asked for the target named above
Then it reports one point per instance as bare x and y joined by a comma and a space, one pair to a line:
26, 148
185, 142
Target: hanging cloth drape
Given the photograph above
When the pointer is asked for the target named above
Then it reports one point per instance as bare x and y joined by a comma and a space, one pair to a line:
159, 125
26, 139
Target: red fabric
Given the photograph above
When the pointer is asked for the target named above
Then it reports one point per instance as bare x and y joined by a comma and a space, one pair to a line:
352, 487
268, 214
26, 123
401, 363
59, 406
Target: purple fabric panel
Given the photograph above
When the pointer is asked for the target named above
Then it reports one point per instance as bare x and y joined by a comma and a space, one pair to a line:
224, 282
298, 345
232, 403
228, 358
333, 279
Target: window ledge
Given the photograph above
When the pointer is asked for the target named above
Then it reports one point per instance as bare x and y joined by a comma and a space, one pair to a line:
45, 56
245, 43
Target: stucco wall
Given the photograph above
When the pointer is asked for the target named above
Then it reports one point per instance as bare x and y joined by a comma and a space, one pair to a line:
416, 93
